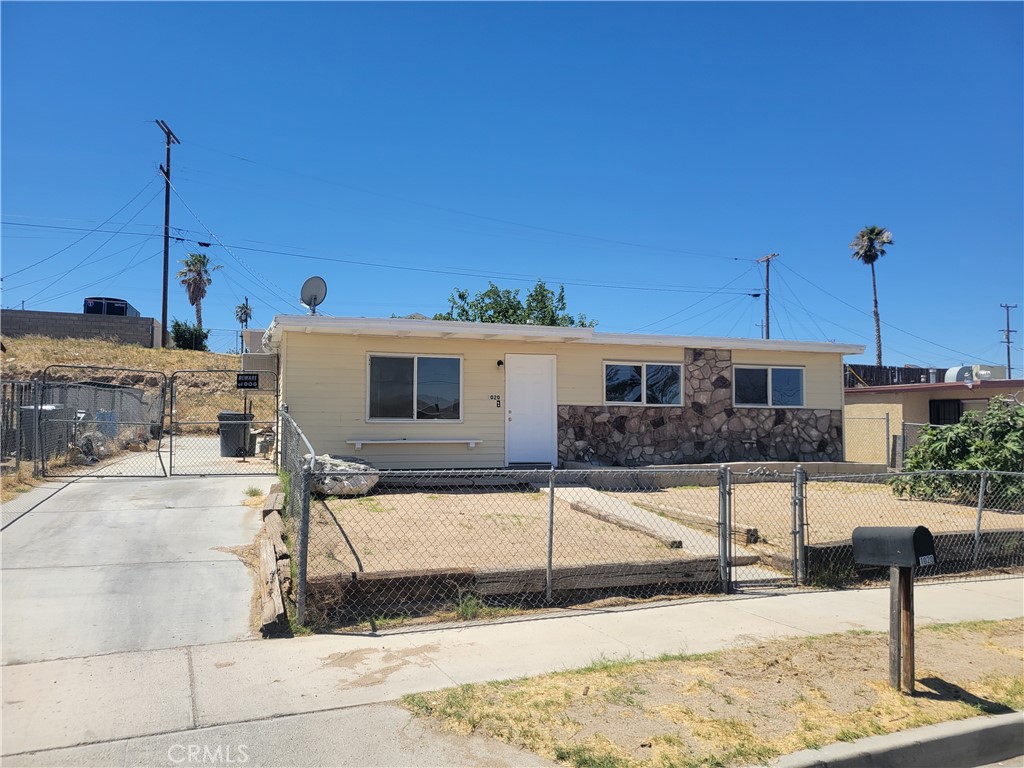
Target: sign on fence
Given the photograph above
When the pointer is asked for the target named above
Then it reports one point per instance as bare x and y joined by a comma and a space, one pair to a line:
247, 381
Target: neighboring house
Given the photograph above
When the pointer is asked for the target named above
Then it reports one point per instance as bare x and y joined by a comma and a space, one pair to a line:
911, 404
409, 393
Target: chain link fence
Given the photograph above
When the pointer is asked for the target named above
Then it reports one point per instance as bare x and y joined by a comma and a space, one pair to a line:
93, 420
469, 543
376, 548
976, 519
17, 424
866, 439
910, 435
296, 456
221, 426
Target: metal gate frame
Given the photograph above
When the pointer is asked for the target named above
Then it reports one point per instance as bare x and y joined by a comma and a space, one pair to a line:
173, 424
41, 420
727, 544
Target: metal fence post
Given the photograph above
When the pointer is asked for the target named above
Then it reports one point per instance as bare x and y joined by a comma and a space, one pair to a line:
300, 588
800, 529
977, 525
888, 442
38, 460
551, 533
724, 529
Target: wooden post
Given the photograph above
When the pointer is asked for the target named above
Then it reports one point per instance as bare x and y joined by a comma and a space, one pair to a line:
907, 629
895, 623
901, 629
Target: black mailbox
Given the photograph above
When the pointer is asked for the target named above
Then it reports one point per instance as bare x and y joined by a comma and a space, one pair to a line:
906, 547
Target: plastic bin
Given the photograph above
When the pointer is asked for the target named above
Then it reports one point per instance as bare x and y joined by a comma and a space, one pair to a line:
106, 423
235, 429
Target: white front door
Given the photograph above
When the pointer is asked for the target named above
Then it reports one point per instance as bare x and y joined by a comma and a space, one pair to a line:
531, 410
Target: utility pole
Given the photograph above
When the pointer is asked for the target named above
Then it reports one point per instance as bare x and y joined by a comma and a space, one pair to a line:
166, 171
767, 261
1006, 338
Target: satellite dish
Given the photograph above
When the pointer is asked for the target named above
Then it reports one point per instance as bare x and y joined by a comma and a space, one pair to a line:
314, 291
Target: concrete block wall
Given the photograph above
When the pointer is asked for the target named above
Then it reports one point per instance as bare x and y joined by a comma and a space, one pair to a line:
128, 330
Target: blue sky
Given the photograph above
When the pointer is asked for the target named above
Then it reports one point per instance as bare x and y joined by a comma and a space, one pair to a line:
645, 155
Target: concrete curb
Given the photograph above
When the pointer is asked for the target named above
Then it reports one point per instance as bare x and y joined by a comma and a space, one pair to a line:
955, 744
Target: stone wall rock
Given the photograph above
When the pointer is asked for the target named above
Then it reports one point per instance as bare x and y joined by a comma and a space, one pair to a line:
705, 429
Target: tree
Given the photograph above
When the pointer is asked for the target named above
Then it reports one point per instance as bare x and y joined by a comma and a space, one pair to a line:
502, 305
869, 247
243, 314
195, 277
188, 336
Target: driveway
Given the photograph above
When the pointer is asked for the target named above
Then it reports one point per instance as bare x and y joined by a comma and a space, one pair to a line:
118, 564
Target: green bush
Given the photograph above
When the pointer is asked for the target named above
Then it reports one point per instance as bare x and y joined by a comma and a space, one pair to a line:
993, 442
188, 336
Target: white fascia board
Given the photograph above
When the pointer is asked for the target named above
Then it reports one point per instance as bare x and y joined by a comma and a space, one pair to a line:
373, 326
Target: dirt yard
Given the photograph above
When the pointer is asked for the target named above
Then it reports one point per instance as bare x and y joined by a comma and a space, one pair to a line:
834, 509
473, 528
742, 706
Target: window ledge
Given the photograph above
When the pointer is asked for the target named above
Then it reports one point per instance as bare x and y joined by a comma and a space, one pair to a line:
468, 442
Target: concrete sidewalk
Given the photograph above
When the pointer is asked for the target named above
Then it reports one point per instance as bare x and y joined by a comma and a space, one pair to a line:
118, 700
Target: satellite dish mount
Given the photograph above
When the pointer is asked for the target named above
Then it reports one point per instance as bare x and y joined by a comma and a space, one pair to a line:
314, 291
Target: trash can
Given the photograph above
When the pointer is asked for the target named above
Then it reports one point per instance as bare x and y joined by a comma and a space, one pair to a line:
234, 431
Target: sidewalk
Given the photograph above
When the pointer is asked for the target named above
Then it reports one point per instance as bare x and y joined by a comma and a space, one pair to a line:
241, 689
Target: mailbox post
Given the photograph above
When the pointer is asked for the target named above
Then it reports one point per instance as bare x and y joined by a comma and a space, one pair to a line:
902, 550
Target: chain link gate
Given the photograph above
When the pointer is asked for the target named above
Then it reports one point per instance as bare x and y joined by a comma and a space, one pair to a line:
762, 526
98, 421
223, 423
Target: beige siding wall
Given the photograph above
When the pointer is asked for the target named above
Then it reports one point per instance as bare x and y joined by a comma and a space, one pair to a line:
823, 373
324, 384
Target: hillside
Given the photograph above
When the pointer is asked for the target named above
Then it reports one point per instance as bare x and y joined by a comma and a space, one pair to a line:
28, 356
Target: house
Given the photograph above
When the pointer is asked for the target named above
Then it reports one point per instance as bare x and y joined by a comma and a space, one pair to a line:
411, 393
867, 409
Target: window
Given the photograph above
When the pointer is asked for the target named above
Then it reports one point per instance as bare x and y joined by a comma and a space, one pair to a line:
415, 387
643, 383
944, 411
753, 385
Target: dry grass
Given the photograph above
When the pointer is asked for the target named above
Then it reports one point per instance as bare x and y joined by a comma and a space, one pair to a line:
741, 706
466, 529
27, 356
14, 482
834, 509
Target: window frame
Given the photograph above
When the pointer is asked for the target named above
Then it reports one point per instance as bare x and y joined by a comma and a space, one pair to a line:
643, 383
413, 419
769, 369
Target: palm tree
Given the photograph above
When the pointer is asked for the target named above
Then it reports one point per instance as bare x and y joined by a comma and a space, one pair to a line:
196, 278
243, 314
869, 247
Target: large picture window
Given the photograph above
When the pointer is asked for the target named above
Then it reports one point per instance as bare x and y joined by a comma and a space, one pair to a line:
415, 387
768, 386
643, 383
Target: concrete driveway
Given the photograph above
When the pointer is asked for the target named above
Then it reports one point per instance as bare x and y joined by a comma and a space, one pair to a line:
127, 564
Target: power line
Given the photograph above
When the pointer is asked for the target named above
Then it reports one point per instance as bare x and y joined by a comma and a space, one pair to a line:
685, 309
95, 250
966, 355
221, 243
87, 231
449, 271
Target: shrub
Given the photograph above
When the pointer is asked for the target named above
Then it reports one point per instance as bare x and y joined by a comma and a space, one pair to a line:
992, 442
188, 336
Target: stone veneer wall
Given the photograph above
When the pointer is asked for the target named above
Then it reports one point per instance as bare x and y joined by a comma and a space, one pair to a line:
705, 429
